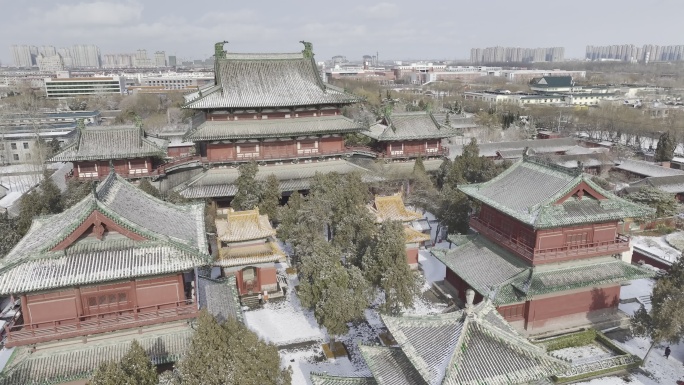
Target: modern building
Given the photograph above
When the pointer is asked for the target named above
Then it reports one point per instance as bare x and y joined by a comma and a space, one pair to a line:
553, 84
50, 63
391, 208
160, 59
247, 249
23, 58
409, 135
20, 144
85, 56
516, 55
70, 87
118, 259
547, 250
131, 152
470, 346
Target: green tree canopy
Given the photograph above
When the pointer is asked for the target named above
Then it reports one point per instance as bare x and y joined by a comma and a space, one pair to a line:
230, 353
665, 321
249, 189
269, 201
664, 203
9, 234
135, 368
148, 188
385, 266
665, 148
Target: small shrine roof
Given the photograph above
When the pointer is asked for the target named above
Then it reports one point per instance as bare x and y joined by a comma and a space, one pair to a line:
458, 348
60, 365
414, 236
409, 126
219, 297
105, 143
244, 226
174, 240
272, 128
673, 184
392, 208
538, 146
250, 255
220, 182
245, 80
511, 192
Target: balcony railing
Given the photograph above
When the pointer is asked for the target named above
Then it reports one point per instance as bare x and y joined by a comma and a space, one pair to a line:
415, 154
99, 323
617, 245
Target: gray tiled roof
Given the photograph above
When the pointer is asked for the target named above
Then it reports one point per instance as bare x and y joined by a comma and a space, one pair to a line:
530, 189
472, 346
481, 263
409, 126
104, 143
219, 297
169, 227
538, 146
220, 182
553, 81
673, 184
324, 379
269, 80
273, 128
390, 366
646, 169
80, 361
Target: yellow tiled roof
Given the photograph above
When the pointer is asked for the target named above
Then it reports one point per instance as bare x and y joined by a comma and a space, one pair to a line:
245, 255
392, 208
244, 226
415, 236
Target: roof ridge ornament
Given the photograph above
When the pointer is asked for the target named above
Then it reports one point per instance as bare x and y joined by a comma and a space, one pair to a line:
469, 307
219, 53
308, 49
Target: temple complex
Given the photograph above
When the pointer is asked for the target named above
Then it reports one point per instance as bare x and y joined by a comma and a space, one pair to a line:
133, 153
548, 252
248, 250
470, 346
392, 208
409, 135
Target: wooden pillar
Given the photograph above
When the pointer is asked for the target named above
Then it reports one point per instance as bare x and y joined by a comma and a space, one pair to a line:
181, 287
25, 310
79, 302
134, 294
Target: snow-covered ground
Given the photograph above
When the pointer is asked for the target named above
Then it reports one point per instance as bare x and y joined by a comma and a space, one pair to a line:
433, 269
612, 380
639, 290
658, 246
583, 354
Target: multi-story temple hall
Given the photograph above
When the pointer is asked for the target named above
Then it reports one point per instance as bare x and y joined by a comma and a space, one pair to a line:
548, 252
118, 265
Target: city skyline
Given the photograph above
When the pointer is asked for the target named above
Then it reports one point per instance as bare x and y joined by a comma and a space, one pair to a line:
399, 30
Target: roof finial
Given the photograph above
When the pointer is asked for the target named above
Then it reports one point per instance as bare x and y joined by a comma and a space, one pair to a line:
219, 53
308, 49
470, 297
80, 124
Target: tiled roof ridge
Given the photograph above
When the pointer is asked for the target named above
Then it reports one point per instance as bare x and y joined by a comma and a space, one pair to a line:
456, 358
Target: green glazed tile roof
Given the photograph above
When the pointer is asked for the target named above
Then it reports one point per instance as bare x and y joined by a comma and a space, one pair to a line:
105, 143
71, 363
175, 241
409, 126
493, 271
268, 80
272, 128
529, 190
471, 346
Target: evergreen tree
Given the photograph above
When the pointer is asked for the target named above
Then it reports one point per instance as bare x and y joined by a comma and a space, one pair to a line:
454, 212
75, 191
664, 203
270, 198
148, 188
9, 234
249, 190
337, 295
419, 167
135, 368
386, 268
45, 199
665, 321
665, 148
175, 198
230, 353
51, 195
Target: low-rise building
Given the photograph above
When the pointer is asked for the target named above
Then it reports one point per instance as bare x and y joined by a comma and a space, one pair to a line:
70, 87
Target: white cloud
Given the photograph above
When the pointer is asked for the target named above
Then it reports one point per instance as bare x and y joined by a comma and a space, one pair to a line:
99, 13
379, 11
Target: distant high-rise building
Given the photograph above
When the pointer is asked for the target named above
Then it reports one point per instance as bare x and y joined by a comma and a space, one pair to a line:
172, 61
160, 59
52, 63
22, 56
47, 51
141, 60
86, 56
631, 53
516, 54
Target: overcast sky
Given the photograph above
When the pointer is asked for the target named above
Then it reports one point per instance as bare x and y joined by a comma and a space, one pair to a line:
398, 29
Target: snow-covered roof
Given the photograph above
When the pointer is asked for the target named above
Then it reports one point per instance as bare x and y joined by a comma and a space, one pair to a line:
656, 247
